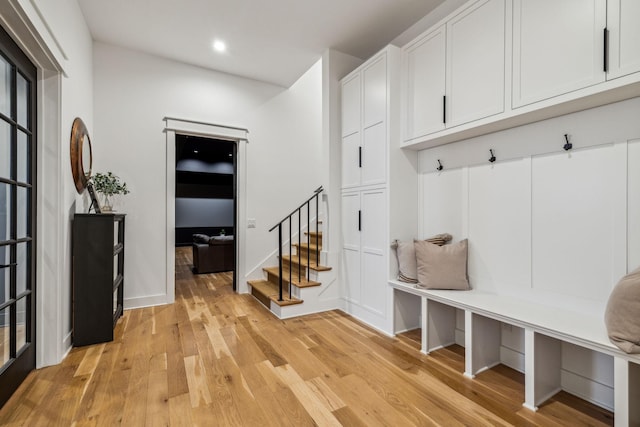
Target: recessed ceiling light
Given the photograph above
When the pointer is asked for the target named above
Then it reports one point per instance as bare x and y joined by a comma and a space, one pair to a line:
219, 46
195, 151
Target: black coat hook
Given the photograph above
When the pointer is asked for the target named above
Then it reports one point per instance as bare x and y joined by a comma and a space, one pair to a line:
568, 146
493, 157
440, 167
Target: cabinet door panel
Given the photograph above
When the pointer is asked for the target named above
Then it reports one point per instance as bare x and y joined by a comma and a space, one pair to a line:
374, 282
350, 161
351, 105
475, 63
374, 221
375, 92
351, 246
350, 228
351, 269
557, 47
424, 69
624, 37
374, 155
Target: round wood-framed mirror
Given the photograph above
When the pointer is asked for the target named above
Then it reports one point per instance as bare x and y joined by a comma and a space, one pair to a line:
81, 155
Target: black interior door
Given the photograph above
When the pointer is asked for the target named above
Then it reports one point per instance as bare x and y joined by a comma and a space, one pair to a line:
17, 216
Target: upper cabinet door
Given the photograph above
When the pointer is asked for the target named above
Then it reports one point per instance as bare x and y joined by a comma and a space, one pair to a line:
351, 105
375, 92
424, 85
624, 37
558, 47
475, 62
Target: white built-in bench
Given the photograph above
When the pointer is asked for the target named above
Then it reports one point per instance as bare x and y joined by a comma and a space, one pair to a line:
545, 328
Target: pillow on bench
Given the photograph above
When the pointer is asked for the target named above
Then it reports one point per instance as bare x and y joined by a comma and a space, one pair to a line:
622, 316
442, 267
406, 253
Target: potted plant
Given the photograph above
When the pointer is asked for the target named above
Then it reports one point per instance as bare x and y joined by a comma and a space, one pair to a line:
108, 185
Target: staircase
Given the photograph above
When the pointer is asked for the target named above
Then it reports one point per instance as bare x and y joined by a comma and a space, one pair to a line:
284, 284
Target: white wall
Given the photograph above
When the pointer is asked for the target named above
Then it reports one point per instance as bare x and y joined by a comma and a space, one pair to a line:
284, 160
134, 91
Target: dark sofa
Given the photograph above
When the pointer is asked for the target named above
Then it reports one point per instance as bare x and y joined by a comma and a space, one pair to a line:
213, 254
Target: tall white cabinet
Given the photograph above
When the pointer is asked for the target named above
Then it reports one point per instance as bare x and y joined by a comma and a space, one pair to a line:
379, 188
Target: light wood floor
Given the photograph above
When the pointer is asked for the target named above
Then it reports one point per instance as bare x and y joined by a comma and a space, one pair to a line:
217, 358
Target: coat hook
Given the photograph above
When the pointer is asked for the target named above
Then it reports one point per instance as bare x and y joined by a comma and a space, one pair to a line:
493, 157
568, 146
440, 167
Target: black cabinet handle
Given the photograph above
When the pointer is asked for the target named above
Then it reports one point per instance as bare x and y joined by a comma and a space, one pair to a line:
444, 109
606, 51
359, 220
360, 156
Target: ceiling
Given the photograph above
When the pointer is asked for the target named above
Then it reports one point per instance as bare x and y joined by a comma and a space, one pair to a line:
274, 41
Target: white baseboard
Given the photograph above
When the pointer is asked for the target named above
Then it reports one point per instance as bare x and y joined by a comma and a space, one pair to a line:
141, 302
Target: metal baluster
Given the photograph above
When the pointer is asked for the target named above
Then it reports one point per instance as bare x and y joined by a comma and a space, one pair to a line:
280, 259
299, 240
317, 237
290, 254
308, 240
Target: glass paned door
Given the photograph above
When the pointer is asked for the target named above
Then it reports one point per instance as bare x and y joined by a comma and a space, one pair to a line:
17, 216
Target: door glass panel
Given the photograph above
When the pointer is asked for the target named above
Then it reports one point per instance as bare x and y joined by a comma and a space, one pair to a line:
22, 202
5, 87
4, 274
5, 212
23, 159
22, 262
5, 149
5, 336
22, 104
21, 323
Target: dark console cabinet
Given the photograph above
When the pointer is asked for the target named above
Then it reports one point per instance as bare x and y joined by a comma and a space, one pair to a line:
98, 276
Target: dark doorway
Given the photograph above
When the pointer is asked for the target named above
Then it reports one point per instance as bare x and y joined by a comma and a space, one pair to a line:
206, 205
17, 216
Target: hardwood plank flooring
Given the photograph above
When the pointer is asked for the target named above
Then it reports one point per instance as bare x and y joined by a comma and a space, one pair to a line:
219, 358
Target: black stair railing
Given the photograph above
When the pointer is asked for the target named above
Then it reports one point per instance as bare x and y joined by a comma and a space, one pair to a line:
289, 219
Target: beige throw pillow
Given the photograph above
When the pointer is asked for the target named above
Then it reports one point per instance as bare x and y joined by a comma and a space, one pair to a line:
406, 253
442, 267
622, 314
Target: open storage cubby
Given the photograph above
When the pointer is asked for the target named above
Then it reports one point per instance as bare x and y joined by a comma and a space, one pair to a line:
555, 349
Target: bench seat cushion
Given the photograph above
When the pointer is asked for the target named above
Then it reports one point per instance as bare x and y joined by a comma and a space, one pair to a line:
622, 316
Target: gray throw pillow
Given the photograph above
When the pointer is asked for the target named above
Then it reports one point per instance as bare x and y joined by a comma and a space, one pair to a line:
442, 267
621, 315
406, 253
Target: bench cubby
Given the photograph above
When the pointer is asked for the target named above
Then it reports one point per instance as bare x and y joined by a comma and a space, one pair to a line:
547, 332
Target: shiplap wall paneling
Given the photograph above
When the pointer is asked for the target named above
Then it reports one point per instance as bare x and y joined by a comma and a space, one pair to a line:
578, 235
500, 226
444, 203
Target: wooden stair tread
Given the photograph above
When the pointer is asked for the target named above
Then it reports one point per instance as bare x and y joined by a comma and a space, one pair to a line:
302, 261
270, 290
314, 233
303, 283
304, 245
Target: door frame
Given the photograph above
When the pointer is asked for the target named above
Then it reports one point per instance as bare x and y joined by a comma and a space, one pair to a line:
24, 23
238, 135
